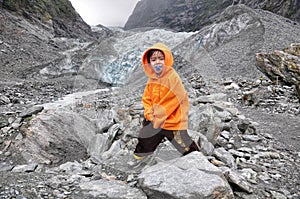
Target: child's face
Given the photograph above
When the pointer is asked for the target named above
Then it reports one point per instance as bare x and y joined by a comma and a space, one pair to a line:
157, 61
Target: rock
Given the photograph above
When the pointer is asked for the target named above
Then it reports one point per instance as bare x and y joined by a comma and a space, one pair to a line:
113, 131
31, 111
225, 156
206, 147
4, 100
19, 136
16, 125
106, 120
114, 149
252, 138
228, 107
243, 125
232, 86
236, 153
52, 131
25, 168
245, 149
71, 167
272, 155
3, 121
264, 176
110, 190
281, 67
236, 179
205, 121
5, 166
6, 129
277, 195
225, 134
98, 144
212, 98
193, 170
249, 174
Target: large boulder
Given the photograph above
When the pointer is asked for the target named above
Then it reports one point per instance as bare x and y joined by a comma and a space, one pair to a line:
57, 136
190, 176
282, 66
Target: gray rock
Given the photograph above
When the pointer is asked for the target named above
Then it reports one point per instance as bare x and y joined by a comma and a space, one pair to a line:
113, 131
31, 111
98, 144
193, 170
235, 178
252, 138
212, 98
110, 190
206, 147
243, 125
11, 120
267, 154
4, 100
114, 149
236, 153
228, 107
3, 121
224, 115
204, 120
264, 176
245, 149
4, 166
225, 134
59, 129
25, 168
71, 167
19, 136
277, 195
105, 120
225, 156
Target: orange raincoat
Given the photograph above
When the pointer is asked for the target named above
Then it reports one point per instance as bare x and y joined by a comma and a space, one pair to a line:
165, 100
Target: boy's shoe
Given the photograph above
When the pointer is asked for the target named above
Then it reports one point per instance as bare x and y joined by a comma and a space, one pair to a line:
139, 164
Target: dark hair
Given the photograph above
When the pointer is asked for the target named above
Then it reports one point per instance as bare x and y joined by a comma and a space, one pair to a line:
151, 52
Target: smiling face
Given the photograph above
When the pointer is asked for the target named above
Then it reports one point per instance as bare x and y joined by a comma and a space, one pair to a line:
157, 61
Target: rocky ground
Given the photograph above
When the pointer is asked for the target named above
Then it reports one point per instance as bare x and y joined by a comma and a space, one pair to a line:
270, 163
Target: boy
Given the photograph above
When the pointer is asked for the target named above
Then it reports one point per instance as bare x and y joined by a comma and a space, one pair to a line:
165, 104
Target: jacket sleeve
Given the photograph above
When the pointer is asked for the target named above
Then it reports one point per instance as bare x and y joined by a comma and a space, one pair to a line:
169, 102
147, 103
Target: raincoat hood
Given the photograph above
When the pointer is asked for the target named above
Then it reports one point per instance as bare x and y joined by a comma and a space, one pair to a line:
168, 60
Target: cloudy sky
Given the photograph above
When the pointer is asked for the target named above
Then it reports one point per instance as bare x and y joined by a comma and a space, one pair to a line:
104, 12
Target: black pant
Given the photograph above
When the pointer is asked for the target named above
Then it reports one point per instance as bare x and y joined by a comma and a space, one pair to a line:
149, 138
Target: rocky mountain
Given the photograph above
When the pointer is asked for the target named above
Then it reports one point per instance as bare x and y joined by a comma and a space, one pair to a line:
187, 15
58, 16
66, 134
37, 34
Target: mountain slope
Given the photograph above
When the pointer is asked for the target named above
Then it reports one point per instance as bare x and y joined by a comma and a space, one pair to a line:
37, 34
227, 48
58, 15
186, 15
